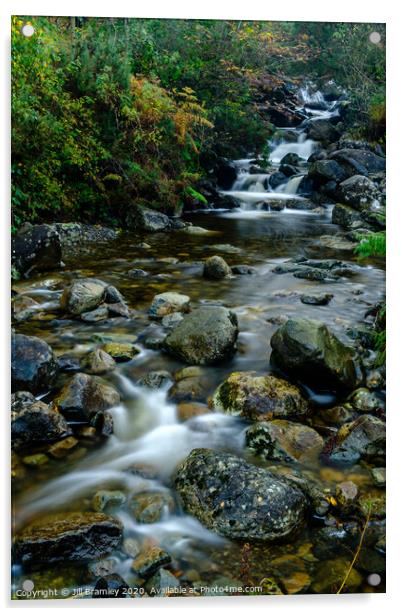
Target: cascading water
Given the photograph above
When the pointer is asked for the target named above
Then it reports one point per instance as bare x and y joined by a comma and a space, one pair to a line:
253, 191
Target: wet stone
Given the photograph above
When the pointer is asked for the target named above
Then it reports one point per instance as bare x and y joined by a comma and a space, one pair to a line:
379, 476
111, 586
167, 303
150, 507
33, 364
149, 560
156, 379
284, 440
162, 583
120, 351
321, 299
331, 573
98, 362
61, 449
67, 536
216, 268
108, 499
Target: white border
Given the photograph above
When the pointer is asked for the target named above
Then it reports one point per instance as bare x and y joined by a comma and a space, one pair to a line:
291, 10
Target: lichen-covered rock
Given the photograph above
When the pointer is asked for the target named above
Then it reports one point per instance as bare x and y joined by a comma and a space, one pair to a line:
140, 218
36, 248
259, 398
83, 296
323, 171
346, 216
121, 351
366, 401
307, 349
206, 336
238, 500
23, 307
284, 440
67, 536
216, 268
33, 364
98, 362
108, 499
363, 438
358, 161
167, 303
358, 192
36, 423
150, 507
84, 396
156, 379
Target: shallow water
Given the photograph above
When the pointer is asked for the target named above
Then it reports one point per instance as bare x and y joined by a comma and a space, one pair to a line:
147, 430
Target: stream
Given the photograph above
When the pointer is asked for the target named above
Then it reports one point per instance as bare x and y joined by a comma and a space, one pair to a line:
269, 227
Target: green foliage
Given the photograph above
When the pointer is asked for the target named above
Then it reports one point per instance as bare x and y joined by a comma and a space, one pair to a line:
372, 245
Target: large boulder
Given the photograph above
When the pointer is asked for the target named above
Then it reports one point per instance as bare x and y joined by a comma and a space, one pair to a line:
35, 423
84, 396
36, 248
167, 303
226, 174
33, 364
140, 218
323, 171
346, 216
216, 268
258, 398
322, 130
238, 500
356, 161
307, 349
205, 336
67, 536
363, 438
358, 191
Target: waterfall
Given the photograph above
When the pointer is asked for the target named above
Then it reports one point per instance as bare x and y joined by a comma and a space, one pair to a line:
303, 147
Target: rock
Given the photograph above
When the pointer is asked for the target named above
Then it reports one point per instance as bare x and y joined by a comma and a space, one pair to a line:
150, 507
23, 307
162, 584
362, 162
35, 424
346, 495
331, 91
137, 273
111, 586
94, 316
108, 499
346, 217
238, 500
276, 179
358, 191
366, 401
102, 421
334, 242
226, 174
258, 398
98, 362
67, 536
83, 296
206, 336
330, 575
167, 303
35, 248
171, 320
119, 309
188, 410
326, 170
319, 299
288, 170
191, 388
156, 379
309, 350
62, 448
150, 559
33, 364
379, 476
83, 396
291, 159
284, 440
120, 351
363, 438
243, 270
322, 130
194, 230
36, 460
141, 218
131, 547
102, 567
216, 268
